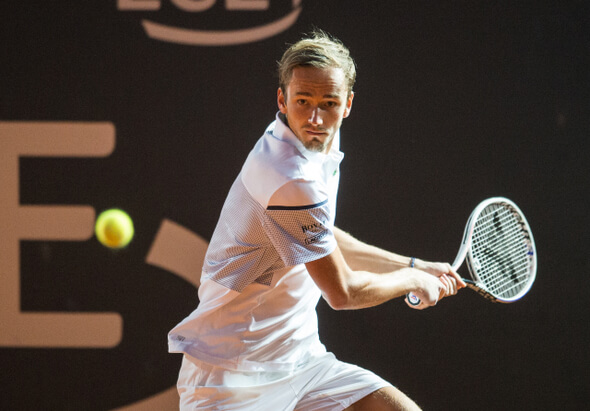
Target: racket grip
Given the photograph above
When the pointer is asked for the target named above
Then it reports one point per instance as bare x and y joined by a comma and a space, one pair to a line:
412, 299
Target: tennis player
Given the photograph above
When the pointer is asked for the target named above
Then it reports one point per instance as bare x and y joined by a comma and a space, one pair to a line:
252, 343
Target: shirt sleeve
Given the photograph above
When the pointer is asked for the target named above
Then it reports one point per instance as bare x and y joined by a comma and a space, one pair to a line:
298, 225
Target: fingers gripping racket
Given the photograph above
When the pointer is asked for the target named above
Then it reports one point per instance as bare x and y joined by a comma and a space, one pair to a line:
499, 250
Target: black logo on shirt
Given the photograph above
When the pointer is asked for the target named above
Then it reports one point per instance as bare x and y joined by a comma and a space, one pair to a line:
313, 228
316, 237
315, 232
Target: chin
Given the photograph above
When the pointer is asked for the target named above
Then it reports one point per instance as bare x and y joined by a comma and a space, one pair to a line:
315, 145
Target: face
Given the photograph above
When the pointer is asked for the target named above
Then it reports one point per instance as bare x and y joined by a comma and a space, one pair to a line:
315, 102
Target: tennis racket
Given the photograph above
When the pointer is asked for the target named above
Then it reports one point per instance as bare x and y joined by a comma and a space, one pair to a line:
499, 250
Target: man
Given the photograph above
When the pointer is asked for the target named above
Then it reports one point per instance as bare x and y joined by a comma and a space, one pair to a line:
252, 343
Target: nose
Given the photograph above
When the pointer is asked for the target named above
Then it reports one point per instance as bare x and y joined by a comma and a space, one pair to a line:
315, 118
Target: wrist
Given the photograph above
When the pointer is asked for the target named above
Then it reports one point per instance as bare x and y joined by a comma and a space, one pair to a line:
413, 277
416, 263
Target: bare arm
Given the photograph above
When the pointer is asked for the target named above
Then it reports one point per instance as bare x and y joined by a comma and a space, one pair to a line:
362, 256
357, 275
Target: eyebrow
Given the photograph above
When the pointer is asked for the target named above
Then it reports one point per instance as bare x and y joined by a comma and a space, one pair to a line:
307, 94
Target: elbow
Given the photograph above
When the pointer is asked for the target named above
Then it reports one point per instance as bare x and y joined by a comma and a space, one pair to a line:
341, 300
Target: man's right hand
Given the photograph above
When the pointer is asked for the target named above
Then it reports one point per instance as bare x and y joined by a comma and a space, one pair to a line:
437, 280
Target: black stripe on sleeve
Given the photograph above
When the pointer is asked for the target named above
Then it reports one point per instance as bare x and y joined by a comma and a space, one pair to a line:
303, 207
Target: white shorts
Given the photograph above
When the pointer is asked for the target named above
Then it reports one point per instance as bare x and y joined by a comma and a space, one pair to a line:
323, 384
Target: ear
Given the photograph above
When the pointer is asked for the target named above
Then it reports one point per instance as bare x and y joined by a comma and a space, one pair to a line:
348, 105
281, 101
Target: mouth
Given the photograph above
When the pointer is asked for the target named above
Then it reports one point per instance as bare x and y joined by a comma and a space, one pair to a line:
315, 133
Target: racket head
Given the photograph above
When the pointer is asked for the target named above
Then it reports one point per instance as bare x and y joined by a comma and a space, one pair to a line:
499, 250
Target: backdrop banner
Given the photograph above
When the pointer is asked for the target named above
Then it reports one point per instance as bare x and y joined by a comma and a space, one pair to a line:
151, 106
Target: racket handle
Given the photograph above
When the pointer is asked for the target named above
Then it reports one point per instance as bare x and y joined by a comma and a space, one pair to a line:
412, 299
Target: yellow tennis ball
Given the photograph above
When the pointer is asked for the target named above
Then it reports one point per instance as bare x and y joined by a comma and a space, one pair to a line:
114, 228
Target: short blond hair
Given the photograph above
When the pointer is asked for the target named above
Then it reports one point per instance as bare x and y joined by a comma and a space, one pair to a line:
318, 49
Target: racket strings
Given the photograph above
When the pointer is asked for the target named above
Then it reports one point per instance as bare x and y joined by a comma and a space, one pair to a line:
500, 251
504, 266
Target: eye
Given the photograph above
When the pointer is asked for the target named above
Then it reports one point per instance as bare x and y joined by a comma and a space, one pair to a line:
301, 101
330, 104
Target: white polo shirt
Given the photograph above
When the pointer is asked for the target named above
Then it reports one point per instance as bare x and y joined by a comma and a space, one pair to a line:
257, 309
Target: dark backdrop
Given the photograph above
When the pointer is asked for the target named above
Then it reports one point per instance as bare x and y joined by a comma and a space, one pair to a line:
455, 102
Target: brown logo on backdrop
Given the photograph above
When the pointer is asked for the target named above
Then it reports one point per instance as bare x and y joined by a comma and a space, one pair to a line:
195, 37
174, 248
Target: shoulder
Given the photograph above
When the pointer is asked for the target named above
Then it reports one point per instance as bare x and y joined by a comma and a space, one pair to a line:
298, 194
272, 164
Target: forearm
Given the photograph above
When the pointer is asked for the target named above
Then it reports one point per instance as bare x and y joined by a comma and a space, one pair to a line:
365, 289
356, 275
368, 289
361, 256
347, 289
